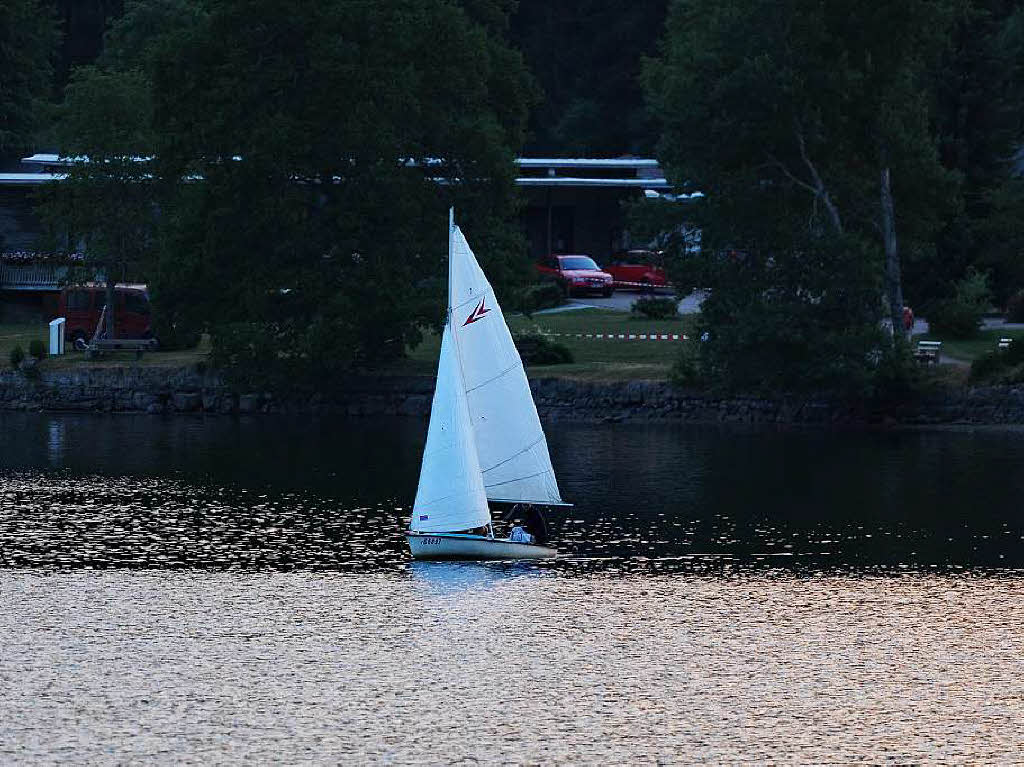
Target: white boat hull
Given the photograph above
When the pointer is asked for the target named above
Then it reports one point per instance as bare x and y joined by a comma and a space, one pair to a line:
464, 546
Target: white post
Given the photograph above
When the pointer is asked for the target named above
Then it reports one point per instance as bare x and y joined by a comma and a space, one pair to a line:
57, 337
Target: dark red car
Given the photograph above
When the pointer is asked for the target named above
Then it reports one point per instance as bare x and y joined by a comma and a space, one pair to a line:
81, 307
577, 274
639, 269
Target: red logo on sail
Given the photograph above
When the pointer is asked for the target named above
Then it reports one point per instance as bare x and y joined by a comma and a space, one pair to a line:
476, 314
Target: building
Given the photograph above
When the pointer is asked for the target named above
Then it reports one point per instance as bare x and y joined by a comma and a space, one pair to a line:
572, 206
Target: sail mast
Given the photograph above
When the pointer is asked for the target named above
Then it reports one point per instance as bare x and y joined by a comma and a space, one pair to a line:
451, 230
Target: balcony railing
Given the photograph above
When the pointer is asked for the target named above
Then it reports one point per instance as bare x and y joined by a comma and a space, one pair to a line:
32, 276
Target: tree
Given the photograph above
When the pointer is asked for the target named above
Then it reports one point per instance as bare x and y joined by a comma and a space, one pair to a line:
304, 155
812, 144
586, 56
107, 201
28, 37
979, 87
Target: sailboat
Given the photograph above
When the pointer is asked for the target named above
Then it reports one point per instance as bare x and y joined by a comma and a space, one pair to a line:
485, 445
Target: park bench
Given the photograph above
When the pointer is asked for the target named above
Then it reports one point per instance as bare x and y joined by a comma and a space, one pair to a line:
1004, 344
928, 351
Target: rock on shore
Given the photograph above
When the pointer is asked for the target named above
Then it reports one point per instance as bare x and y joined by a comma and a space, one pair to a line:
191, 390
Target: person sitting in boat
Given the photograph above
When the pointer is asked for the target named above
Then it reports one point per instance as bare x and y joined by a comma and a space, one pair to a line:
519, 535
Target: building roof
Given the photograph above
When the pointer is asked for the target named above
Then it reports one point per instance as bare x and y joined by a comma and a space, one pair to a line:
625, 172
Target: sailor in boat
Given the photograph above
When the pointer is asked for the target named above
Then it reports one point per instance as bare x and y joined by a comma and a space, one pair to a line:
529, 525
519, 535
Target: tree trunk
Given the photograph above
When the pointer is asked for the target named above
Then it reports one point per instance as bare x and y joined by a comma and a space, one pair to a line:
111, 303
893, 282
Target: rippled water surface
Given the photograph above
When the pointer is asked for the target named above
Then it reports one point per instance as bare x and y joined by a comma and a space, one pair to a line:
218, 590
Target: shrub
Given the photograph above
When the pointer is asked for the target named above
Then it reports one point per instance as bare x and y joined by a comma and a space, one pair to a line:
17, 356
987, 365
1001, 364
1015, 307
175, 335
953, 319
656, 308
686, 371
533, 298
960, 316
538, 350
897, 375
37, 348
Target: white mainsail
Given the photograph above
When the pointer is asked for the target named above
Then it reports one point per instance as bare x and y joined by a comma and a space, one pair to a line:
510, 444
450, 496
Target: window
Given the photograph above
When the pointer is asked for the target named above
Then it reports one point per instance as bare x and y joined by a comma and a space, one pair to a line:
136, 302
578, 262
79, 300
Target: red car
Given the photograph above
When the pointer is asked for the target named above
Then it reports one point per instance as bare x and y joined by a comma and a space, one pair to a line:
642, 269
81, 306
577, 274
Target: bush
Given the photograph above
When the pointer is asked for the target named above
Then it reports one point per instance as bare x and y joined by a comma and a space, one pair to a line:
897, 375
538, 350
999, 364
1015, 307
960, 316
657, 308
17, 356
986, 366
953, 319
533, 298
37, 348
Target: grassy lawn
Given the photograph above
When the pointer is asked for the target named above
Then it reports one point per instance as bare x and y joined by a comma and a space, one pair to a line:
595, 359
19, 335
969, 350
14, 335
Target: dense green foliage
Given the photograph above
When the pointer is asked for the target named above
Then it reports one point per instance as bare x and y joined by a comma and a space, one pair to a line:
16, 356
1000, 366
36, 349
960, 315
533, 298
849, 155
107, 205
586, 56
330, 139
27, 39
538, 350
979, 114
656, 308
1015, 307
819, 167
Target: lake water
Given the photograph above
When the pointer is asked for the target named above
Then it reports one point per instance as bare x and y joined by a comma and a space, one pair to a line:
229, 590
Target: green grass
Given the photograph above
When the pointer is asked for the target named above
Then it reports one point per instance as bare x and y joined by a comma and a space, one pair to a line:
970, 349
597, 360
12, 335
19, 335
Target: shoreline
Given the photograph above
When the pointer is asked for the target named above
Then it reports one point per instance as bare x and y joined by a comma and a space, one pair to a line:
192, 389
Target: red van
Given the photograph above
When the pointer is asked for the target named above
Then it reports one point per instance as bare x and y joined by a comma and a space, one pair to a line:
81, 306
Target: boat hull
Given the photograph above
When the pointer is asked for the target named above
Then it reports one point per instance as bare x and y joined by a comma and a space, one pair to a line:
463, 546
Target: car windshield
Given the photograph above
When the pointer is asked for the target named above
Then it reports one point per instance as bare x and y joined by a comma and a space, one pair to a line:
578, 262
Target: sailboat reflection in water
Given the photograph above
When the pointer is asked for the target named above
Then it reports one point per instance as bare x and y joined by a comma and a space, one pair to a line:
485, 445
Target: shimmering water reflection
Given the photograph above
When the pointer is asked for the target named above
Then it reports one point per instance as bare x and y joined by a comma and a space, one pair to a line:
222, 590
462, 663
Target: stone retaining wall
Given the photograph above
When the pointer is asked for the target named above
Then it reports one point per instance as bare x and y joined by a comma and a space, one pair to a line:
192, 390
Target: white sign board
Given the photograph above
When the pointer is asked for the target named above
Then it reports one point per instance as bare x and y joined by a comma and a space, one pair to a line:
57, 337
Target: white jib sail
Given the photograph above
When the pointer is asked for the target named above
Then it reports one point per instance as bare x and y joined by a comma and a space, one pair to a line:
450, 496
510, 444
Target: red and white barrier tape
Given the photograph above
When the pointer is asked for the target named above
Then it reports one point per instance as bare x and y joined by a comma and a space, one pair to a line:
647, 285
622, 336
